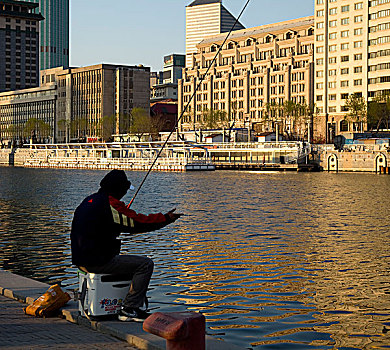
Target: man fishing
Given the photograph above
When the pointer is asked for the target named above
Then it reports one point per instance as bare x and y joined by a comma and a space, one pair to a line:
97, 223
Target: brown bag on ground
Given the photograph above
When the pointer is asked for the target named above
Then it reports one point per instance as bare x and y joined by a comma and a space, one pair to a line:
48, 303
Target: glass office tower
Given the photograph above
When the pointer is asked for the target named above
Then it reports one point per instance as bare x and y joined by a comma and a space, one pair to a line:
54, 33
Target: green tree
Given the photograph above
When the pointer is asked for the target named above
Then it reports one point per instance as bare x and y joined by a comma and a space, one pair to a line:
357, 110
141, 123
379, 112
37, 128
214, 119
106, 127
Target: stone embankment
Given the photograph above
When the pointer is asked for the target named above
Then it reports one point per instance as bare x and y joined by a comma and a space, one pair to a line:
356, 158
18, 330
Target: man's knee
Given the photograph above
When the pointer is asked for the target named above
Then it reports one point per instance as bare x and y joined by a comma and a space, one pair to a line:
149, 265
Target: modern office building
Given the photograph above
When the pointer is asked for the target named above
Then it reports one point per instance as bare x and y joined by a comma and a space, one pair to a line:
166, 88
28, 114
19, 43
54, 33
257, 67
73, 102
88, 94
205, 18
352, 56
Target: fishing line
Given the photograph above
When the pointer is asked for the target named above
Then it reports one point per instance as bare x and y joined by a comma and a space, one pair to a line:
186, 107
205, 306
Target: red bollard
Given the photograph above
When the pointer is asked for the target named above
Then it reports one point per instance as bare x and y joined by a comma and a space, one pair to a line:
182, 330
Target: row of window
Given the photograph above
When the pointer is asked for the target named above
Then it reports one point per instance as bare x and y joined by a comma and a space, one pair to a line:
333, 97
343, 83
343, 47
343, 71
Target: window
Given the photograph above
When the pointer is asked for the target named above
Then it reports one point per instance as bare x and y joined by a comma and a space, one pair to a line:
333, 11
358, 57
319, 74
358, 31
320, 49
333, 36
332, 48
320, 37
319, 97
320, 2
344, 21
345, 46
332, 109
332, 97
345, 71
358, 19
320, 13
343, 126
357, 44
358, 69
332, 85
345, 8
358, 6
333, 23
332, 60
344, 96
345, 34
320, 61
332, 72
319, 86
320, 25
344, 58
344, 83
358, 82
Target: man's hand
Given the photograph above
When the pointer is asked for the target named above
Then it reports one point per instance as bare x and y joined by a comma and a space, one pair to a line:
172, 216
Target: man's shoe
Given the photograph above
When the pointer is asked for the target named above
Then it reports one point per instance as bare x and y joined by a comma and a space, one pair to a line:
128, 314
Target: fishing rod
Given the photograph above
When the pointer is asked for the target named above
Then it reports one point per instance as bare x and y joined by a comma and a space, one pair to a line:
186, 107
211, 307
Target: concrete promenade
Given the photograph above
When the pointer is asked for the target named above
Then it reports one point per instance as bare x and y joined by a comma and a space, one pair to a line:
19, 331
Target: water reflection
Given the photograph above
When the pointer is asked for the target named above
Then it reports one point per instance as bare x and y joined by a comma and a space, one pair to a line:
298, 260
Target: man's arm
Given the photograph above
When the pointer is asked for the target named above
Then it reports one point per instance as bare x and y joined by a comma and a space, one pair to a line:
132, 222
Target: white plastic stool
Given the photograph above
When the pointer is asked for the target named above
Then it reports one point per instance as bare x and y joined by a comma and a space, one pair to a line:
101, 294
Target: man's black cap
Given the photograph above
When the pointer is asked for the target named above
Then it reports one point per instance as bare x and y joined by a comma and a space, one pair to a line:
115, 183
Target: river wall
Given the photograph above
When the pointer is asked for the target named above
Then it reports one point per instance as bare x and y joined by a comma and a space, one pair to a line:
5, 156
356, 158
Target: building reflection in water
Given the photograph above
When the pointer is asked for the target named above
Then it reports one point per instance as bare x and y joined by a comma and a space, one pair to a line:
272, 260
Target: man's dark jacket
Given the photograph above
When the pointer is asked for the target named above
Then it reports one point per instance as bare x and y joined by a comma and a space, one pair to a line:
97, 223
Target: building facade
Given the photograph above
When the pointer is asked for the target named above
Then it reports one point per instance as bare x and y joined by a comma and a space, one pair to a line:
96, 101
19, 45
257, 68
78, 104
28, 114
54, 33
352, 56
205, 18
165, 87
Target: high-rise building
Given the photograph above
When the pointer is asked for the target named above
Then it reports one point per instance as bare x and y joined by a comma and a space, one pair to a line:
205, 18
257, 71
19, 43
54, 33
352, 57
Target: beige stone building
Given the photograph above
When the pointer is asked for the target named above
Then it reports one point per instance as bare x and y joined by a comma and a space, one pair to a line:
255, 68
87, 94
352, 55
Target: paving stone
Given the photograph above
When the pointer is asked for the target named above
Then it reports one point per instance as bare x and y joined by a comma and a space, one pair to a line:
19, 331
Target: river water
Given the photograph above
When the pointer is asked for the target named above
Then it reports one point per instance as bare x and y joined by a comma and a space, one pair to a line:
273, 260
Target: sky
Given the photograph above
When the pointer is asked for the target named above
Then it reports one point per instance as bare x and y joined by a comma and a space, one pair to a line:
136, 32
